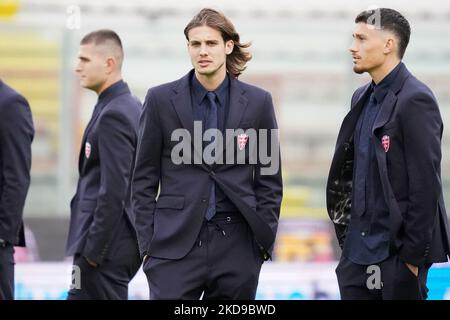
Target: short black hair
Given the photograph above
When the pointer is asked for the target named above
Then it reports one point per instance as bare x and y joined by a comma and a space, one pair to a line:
101, 36
389, 19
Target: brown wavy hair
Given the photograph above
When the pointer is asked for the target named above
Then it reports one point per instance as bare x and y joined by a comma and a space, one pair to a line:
237, 59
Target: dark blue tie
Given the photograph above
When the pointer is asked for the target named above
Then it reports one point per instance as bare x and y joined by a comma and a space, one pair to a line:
211, 123
363, 156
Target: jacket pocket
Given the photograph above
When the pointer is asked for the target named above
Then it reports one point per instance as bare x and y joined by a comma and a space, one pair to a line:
170, 202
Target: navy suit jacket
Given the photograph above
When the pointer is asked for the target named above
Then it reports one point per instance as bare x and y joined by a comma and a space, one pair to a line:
16, 136
100, 206
407, 135
167, 226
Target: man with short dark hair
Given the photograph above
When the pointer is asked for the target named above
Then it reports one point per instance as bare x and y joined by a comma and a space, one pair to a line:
384, 192
16, 136
102, 234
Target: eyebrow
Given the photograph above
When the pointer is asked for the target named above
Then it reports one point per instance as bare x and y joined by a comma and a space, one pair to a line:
207, 41
359, 35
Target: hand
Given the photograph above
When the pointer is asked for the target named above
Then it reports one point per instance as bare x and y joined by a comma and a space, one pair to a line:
413, 269
91, 263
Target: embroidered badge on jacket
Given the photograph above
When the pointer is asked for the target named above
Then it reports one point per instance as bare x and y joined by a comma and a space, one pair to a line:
242, 140
87, 150
386, 142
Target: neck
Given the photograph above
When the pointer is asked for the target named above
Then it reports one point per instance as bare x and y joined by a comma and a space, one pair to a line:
383, 70
211, 81
108, 83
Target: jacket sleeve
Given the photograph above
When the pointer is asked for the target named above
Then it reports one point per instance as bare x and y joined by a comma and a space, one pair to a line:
147, 171
268, 183
116, 143
16, 136
422, 131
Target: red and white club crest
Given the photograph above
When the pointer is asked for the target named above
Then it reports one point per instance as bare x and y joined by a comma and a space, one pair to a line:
87, 150
386, 142
242, 140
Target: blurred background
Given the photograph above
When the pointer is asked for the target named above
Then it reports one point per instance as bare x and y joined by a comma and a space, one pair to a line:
300, 54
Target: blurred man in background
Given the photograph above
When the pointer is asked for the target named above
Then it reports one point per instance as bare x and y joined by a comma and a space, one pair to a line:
384, 191
102, 235
16, 136
213, 224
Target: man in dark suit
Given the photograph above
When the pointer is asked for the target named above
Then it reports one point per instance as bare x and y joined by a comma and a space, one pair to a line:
214, 222
102, 235
384, 192
16, 136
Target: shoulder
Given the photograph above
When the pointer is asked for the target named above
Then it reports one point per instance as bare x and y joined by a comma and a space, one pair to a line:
122, 111
359, 92
163, 90
256, 95
413, 88
9, 96
252, 90
416, 102
14, 108
124, 104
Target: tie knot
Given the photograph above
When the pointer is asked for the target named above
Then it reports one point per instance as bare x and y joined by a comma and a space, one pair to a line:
373, 98
211, 96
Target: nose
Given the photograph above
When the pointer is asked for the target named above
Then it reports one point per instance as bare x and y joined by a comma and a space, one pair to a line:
203, 50
352, 47
77, 68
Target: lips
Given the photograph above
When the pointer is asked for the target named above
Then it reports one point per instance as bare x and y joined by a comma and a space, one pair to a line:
204, 63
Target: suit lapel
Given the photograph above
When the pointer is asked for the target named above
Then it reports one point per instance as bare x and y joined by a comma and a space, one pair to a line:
182, 104
237, 106
391, 98
385, 110
349, 123
236, 109
83, 141
112, 92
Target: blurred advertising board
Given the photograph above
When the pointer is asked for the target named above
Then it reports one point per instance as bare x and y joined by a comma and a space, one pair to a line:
278, 281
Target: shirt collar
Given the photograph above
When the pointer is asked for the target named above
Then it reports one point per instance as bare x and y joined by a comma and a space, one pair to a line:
380, 90
111, 90
200, 91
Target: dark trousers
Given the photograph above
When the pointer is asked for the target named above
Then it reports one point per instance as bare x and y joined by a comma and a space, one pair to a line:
6, 272
224, 263
108, 281
358, 282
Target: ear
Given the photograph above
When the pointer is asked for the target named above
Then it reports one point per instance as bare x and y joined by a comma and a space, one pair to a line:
110, 65
229, 46
390, 45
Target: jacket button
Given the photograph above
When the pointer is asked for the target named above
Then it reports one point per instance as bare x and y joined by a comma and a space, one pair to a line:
363, 234
204, 200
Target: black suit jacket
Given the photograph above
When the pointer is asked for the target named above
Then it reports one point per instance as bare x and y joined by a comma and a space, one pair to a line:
168, 225
410, 125
100, 206
16, 136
